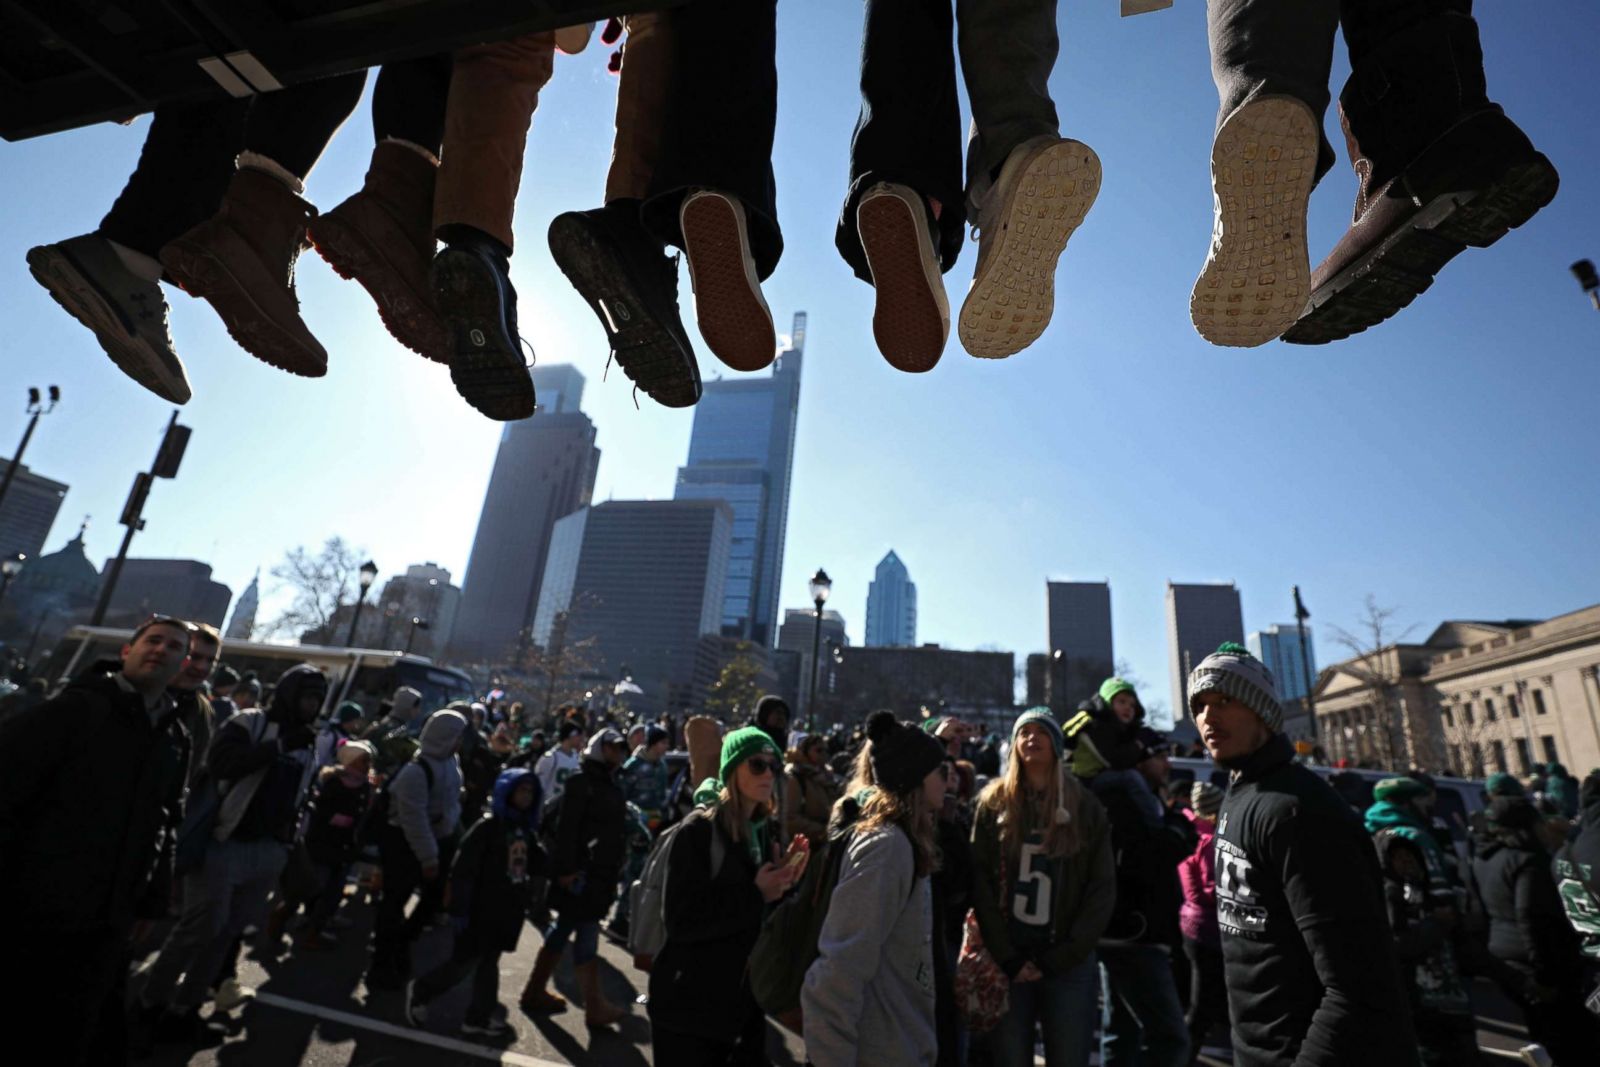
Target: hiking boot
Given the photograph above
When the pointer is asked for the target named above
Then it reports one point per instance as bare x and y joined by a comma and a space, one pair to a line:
911, 316
1257, 274
382, 237
733, 315
597, 1010
472, 289
1045, 188
241, 261
536, 999
625, 275
127, 314
1441, 168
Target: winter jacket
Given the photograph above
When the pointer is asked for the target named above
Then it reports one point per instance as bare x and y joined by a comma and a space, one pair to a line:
492, 875
1147, 852
1424, 945
1408, 823
427, 816
337, 811
1082, 899
712, 921
90, 800
1099, 740
1307, 950
869, 996
1197, 874
1577, 871
590, 840
809, 795
644, 783
554, 768
264, 776
1528, 926
392, 735
200, 722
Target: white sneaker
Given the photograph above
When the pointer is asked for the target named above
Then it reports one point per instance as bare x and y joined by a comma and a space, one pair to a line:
230, 994
911, 318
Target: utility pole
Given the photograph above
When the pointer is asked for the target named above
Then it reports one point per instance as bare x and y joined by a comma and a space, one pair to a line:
36, 408
1300, 617
168, 457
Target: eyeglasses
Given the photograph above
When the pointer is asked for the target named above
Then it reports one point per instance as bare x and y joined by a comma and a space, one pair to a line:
762, 766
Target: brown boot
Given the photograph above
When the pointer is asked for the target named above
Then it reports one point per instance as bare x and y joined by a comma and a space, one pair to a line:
382, 237
597, 1010
536, 999
1441, 169
241, 261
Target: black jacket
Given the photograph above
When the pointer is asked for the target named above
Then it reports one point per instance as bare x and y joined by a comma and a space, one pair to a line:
1307, 950
482, 886
1528, 927
699, 983
1577, 871
590, 839
90, 800
275, 805
1147, 850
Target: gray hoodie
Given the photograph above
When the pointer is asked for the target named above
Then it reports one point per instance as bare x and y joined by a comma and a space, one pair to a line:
427, 815
868, 999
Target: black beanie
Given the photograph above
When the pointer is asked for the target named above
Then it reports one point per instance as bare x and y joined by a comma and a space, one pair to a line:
902, 756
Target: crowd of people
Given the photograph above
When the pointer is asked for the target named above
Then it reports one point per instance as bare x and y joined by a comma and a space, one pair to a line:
901, 893
216, 204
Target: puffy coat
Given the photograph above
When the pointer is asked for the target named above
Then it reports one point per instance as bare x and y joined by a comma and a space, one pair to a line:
1197, 874
590, 838
808, 797
1528, 927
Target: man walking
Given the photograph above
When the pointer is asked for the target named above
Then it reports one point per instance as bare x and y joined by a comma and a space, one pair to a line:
1307, 950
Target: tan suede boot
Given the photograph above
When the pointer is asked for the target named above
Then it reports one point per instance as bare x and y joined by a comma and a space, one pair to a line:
597, 1010
536, 999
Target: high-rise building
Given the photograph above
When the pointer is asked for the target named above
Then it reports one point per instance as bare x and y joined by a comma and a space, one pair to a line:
545, 469
28, 511
798, 634
1199, 618
979, 686
243, 623
644, 580
742, 450
891, 605
180, 587
422, 592
1079, 618
1278, 646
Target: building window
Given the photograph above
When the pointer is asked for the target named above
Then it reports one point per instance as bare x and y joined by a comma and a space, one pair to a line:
1512, 706
1455, 758
1549, 744
1449, 716
1488, 709
1538, 701
1477, 760
1524, 756
1466, 712
1499, 756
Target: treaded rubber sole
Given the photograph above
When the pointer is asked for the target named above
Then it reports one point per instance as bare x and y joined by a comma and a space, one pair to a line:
1257, 276
1402, 266
1013, 296
486, 365
201, 274
733, 315
407, 314
911, 317
80, 297
648, 352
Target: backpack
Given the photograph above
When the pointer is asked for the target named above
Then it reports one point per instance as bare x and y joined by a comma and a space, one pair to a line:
647, 896
377, 817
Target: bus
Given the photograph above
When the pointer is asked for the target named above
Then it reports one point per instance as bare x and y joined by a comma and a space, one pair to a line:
365, 675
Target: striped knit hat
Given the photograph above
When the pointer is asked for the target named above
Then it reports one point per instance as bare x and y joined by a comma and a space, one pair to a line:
1205, 799
1042, 716
1233, 671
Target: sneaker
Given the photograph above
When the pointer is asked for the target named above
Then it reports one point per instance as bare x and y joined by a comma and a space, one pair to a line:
416, 1012
230, 994
911, 318
1045, 188
627, 278
127, 314
1257, 275
733, 315
472, 288
494, 1028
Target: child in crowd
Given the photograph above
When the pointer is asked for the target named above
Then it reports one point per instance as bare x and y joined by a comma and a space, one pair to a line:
344, 792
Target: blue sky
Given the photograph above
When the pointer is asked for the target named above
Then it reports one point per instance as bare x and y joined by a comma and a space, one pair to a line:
1444, 462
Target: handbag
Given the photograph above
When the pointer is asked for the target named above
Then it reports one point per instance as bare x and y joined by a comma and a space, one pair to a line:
983, 992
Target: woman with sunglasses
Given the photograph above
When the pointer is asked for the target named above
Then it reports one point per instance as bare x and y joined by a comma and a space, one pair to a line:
701, 1009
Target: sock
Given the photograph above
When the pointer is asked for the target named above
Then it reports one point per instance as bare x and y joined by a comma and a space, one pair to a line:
257, 161
140, 265
418, 149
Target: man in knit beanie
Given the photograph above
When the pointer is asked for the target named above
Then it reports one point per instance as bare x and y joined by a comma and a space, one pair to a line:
1310, 962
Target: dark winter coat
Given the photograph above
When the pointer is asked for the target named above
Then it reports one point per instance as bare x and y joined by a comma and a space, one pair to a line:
1147, 852
336, 814
589, 840
274, 807
1577, 871
492, 876
699, 982
1310, 960
1528, 927
90, 800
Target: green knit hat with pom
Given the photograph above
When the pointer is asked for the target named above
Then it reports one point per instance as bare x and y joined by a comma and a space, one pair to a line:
740, 745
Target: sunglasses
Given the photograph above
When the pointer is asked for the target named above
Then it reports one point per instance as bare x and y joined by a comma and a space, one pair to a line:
762, 766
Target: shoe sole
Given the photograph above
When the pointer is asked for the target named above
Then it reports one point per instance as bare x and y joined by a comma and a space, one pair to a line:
485, 364
648, 352
79, 296
911, 315
411, 319
1402, 266
203, 275
468, 1030
733, 315
1257, 276
1012, 300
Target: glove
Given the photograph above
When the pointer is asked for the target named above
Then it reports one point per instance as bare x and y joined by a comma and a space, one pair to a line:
297, 737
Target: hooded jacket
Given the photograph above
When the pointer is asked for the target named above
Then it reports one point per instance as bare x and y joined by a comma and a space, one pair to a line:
391, 735
1099, 740
1147, 852
1197, 875
1404, 820
264, 780
1528, 927
90, 800
1310, 961
1577, 871
590, 839
492, 875
429, 815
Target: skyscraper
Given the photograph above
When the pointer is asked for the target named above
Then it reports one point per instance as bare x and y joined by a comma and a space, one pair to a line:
891, 605
1199, 618
243, 622
545, 469
181, 587
742, 451
28, 512
1278, 646
1079, 618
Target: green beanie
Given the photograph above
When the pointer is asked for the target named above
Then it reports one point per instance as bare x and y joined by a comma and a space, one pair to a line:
1112, 686
349, 711
1399, 789
1501, 784
740, 745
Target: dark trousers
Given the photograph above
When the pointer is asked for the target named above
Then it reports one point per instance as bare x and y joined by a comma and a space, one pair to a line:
721, 111
693, 1050
71, 987
392, 931
409, 99
467, 957
1208, 993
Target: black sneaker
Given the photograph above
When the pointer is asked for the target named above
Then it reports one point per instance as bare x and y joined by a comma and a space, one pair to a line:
494, 1029
628, 280
472, 285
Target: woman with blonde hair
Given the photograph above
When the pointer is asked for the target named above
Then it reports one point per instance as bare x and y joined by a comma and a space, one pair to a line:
1044, 885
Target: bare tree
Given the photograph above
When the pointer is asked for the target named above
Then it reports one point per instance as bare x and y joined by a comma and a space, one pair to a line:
322, 583
733, 695
556, 672
1376, 662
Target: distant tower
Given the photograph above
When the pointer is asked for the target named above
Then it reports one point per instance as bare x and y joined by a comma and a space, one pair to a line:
243, 623
892, 605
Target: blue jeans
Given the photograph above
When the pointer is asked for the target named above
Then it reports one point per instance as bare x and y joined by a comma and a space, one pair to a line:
585, 934
1142, 1024
1063, 1004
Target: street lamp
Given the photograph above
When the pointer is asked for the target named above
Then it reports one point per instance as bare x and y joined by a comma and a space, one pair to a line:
821, 585
1300, 617
10, 567
36, 407
369, 574
417, 623
1584, 271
